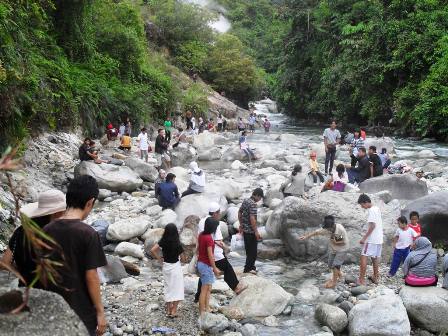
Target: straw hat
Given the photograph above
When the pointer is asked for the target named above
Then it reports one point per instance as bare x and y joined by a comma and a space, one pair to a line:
48, 203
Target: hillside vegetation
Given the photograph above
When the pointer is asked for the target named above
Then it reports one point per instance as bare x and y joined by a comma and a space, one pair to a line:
83, 63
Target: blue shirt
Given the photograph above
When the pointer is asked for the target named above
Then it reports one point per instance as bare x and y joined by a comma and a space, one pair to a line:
168, 194
252, 120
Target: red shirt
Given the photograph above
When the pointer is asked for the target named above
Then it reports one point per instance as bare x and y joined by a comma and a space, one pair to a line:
417, 228
363, 135
205, 241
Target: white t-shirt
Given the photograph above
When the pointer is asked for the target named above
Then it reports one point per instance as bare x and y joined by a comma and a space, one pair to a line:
405, 238
143, 141
218, 252
374, 216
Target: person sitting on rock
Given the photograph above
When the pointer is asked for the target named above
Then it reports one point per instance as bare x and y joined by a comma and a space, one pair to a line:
445, 272
337, 247
420, 266
201, 125
173, 276
211, 126
402, 242
376, 167
50, 206
168, 193
197, 180
295, 184
180, 137
160, 179
362, 171
314, 168
244, 146
356, 143
221, 261
87, 154
126, 142
384, 157
241, 125
339, 178
161, 149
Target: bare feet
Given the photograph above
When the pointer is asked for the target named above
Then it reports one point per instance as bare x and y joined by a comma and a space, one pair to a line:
239, 289
375, 280
330, 284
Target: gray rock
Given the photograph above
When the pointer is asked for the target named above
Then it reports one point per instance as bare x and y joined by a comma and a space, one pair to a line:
382, 316
110, 177
358, 290
403, 187
126, 229
101, 226
433, 212
104, 193
49, 315
346, 306
249, 330
331, 316
214, 323
385, 196
129, 249
183, 154
113, 272
211, 154
146, 171
427, 307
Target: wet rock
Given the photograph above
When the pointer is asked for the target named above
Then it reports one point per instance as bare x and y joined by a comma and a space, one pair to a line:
403, 187
47, 312
271, 249
146, 171
308, 291
427, 307
113, 272
331, 316
263, 297
233, 313
128, 228
129, 249
384, 315
426, 154
110, 177
211, 154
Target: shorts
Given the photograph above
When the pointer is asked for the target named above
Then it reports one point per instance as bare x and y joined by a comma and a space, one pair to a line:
206, 273
336, 259
372, 250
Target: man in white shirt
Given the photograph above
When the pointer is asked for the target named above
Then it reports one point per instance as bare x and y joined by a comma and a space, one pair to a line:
221, 261
143, 144
372, 241
332, 137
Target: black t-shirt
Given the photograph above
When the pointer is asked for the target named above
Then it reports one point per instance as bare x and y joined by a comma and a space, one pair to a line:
83, 156
161, 145
377, 165
82, 251
22, 256
170, 251
363, 169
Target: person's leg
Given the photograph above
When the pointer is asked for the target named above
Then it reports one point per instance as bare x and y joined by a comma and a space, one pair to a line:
229, 274
187, 192
203, 300
246, 151
327, 160
362, 270
251, 153
353, 161
174, 306
387, 164
207, 300
314, 177
396, 261
376, 269
250, 245
321, 177
198, 291
332, 157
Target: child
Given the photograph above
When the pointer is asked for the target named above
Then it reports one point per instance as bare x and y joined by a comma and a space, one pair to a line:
414, 224
403, 239
314, 166
338, 245
206, 264
266, 125
172, 268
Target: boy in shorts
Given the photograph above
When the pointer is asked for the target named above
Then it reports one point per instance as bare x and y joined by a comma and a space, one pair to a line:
338, 245
372, 241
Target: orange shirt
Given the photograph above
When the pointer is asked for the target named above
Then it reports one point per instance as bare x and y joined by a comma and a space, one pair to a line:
125, 141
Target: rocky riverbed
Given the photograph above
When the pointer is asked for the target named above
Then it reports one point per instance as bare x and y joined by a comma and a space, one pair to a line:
287, 296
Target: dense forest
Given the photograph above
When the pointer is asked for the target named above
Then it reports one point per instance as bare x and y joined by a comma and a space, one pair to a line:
377, 62
67, 63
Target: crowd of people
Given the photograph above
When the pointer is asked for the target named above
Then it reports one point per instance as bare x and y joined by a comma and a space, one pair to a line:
77, 246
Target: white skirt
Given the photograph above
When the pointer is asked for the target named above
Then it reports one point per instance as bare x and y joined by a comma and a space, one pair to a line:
174, 282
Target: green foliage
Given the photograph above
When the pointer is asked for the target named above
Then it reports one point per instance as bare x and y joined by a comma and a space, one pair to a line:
367, 61
195, 100
192, 56
231, 70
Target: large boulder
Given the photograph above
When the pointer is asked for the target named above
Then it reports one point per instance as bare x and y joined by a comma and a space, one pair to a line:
427, 307
110, 177
381, 143
233, 153
262, 298
204, 140
331, 316
146, 171
183, 154
126, 229
296, 216
214, 324
49, 314
209, 154
229, 188
129, 249
402, 186
433, 213
101, 226
168, 216
382, 316
198, 204
113, 272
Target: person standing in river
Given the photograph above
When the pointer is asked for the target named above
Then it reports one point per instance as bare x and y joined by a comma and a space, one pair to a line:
332, 137
372, 240
247, 216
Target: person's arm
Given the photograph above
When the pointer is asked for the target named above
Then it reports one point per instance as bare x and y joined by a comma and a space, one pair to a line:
285, 184
371, 169
311, 234
176, 192
155, 253
239, 220
211, 259
253, 224
93, 286
325, 143
394, 241
6, 258
368, 233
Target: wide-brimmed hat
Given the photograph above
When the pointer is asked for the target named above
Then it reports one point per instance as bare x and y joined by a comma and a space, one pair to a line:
194, 167
48, 203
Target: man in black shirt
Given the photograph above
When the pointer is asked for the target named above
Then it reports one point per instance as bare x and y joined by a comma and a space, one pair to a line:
362, 171
376, 167
161, 148
81, 253
86, 154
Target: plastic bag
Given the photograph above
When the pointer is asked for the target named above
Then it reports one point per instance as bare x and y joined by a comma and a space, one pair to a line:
237, 242
193, 265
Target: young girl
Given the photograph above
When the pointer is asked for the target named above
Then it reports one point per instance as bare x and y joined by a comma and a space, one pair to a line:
403, 239
206, 264
172, 269
314, 166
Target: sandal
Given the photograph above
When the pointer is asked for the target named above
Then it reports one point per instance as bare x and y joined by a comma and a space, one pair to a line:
373, 279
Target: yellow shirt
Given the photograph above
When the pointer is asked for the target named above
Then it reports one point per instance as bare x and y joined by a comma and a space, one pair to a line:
125, 141
314, 165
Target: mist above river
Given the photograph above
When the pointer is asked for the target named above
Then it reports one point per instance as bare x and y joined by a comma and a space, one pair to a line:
222, 24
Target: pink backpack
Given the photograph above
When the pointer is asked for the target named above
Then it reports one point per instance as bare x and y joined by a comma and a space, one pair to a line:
338, 186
